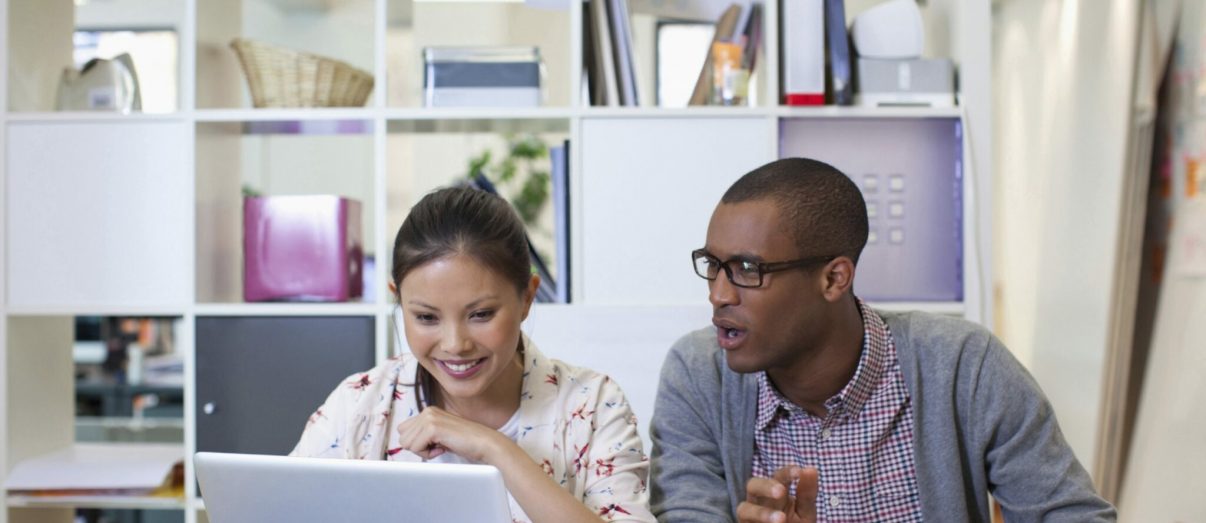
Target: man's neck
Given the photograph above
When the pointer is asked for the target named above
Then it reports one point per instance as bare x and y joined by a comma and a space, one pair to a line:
822, 373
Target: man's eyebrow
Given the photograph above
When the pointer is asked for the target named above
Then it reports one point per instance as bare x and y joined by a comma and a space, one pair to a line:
739, 256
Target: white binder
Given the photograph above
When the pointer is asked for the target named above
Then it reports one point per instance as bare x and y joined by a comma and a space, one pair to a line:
804, 52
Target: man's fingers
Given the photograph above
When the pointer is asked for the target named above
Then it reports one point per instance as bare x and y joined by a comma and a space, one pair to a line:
806, 493
787, 475
767, 493
752, 513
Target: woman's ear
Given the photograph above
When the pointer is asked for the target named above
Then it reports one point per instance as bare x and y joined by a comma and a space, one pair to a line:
529, 295
393, 289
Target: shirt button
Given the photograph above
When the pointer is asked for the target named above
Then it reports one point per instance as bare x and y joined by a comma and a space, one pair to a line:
825, 434
834, 501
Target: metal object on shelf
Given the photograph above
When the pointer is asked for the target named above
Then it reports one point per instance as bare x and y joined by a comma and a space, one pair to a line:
482, 77
916, 82
102, 85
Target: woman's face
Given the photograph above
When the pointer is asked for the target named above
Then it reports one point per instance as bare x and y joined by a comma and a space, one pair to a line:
462, 324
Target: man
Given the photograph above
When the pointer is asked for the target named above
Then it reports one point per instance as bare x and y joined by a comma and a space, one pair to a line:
803, 403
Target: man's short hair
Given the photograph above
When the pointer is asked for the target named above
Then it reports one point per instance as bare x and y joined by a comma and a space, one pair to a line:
821, 208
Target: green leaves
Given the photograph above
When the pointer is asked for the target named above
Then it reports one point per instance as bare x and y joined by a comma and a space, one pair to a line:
524, 165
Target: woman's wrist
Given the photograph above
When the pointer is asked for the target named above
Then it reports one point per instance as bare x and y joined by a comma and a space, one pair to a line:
499, 451
496, 450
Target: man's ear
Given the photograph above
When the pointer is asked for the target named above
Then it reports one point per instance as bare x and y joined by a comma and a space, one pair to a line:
839, 278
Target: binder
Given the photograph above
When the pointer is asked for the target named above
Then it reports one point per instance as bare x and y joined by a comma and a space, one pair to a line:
604, 58
752, 34
559, 157
621, 27
592, 74
803, 33
840, 85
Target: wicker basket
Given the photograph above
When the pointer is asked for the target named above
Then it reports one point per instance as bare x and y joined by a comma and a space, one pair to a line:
281, 77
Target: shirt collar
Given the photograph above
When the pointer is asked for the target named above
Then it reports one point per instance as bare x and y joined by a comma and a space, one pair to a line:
850, 400
541, 379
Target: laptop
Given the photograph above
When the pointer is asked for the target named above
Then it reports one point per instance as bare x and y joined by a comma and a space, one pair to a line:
241, 488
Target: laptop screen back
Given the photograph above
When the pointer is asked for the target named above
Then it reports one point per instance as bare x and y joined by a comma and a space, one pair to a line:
253, 488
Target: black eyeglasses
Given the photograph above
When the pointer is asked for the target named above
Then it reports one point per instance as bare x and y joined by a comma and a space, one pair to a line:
745, 273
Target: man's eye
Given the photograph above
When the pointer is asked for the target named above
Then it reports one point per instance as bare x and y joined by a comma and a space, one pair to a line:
746, 267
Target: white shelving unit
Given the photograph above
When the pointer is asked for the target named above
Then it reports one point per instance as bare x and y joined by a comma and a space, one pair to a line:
643, 182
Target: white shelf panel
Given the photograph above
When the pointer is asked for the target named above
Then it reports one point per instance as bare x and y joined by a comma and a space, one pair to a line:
369, 113
823, 111
489, 113
951, 308
478, 113
833, 111
676, 112
274, 115
685, 158
106, 310
100, 212
104, 502
291, 309
92, 116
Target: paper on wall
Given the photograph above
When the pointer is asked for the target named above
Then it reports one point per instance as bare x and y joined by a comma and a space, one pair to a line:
1189, 240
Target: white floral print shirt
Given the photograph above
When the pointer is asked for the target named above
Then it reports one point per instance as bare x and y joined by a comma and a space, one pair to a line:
574, 423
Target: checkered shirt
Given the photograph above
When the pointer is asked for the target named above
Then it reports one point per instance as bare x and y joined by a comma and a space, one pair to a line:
863, 448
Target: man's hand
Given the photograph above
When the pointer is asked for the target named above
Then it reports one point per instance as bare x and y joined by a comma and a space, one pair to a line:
768, 500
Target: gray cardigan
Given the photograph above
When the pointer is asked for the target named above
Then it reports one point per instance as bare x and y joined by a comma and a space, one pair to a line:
981, 425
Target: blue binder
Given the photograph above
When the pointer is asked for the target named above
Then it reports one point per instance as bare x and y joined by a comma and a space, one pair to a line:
840, 82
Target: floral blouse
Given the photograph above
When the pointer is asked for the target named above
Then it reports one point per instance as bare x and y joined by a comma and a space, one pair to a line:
574, 423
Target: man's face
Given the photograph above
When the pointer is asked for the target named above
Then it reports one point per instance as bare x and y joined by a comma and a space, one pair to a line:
772, 325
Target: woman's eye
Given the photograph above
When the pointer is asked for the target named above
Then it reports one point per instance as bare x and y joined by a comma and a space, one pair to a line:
482, 315
425, 318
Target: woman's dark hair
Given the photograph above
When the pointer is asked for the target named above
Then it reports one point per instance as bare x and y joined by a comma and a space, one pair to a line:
461, 220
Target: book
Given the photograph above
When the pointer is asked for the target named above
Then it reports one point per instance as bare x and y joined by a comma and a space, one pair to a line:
841, 88
621, 26
724, 33
592, 81
751, 37
604, 58
559, 172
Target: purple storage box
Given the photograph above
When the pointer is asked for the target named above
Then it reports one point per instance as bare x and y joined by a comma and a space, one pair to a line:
302, 248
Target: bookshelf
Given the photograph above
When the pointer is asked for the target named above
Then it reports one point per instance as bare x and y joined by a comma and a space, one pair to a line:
643, 181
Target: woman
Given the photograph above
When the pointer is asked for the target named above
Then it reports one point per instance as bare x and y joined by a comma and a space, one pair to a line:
474, 389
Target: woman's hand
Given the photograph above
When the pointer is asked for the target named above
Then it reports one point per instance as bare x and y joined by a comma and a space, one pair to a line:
435, 431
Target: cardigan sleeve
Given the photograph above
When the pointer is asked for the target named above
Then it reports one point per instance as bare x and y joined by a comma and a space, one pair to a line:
688, 471
1032, 471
